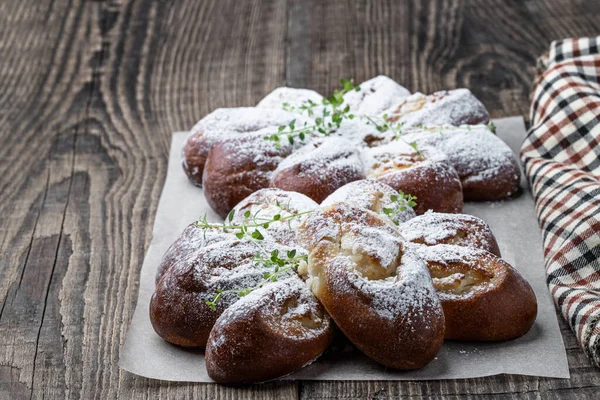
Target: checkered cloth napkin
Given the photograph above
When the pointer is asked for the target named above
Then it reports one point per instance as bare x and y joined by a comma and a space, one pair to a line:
561, 157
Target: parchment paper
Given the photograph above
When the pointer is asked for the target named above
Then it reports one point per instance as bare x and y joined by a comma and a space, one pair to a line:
541, 352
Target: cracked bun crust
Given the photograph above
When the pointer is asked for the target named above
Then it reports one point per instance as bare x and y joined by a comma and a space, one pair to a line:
453, 107
435, 183
374, 287
487, 167
484, 298
272, 332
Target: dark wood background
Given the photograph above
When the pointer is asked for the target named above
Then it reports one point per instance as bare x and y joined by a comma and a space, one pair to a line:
90, 92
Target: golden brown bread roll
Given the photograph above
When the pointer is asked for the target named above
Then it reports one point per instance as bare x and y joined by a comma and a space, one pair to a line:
226, 123
381, 110
484, 298
487, 167
375, 196
375, 288
375, 96
435, 183
190, 241
272, 332
457, 229
178, 309
237, 167
320, 168
452, 107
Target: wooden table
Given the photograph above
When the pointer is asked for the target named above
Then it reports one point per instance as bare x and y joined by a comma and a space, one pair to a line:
90, 92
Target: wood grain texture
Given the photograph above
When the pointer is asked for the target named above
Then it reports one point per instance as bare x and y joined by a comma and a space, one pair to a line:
90, 93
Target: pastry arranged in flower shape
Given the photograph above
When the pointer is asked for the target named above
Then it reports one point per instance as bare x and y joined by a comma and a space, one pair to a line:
262, 290
437, 147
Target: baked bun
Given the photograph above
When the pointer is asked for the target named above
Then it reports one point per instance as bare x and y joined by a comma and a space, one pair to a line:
435, 183
487, 167
452, 107
457, 229
191, 240
178, 309
375, 96
320, 168
289, 98
332, 145
226, 123
266, 203
374, 287
484, 298
237, 167
375, 196
272, 332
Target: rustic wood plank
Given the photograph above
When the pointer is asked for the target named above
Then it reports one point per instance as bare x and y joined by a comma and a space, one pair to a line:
162, 67
89, 95
44, 91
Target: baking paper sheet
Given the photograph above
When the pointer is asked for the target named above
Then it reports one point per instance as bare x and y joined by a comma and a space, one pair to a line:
540, 352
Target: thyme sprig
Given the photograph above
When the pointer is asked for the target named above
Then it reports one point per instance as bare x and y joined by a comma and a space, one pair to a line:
331, 117
403, 201
250, 228
383, 125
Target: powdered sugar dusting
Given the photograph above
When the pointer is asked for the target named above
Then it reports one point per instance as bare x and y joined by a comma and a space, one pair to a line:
284, 305
377, 261
455, 259
337, 157
435, 228
292, 96
454, 107
263, 205
372, 195
375, 96
410, 293
227, 122
362, 134
475, 152
191, 240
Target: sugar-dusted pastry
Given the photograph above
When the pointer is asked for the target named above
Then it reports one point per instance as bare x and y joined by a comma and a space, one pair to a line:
178, 309
453, 107
375, 96
237, 167
457, 229
375, 196
487, 167
434, 182
484, 298
320, 168
375, 288
224, 123
290, 98
189, 242
272, 332
264, 204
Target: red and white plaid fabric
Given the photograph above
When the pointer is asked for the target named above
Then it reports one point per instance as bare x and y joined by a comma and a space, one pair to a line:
561, 157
